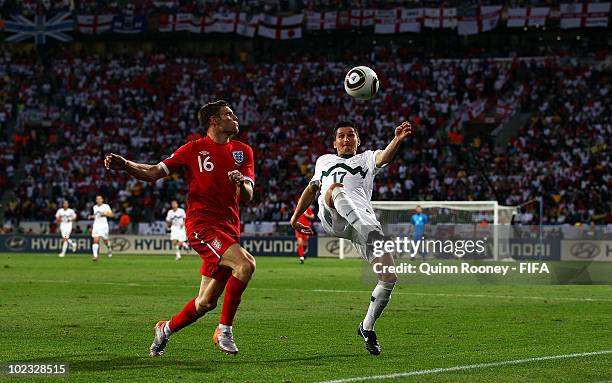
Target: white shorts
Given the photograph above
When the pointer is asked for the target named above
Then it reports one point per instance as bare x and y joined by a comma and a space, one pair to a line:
66, 229
178, 234
100, 231
336, 225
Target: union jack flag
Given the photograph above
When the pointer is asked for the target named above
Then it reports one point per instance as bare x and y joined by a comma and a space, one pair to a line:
40, 28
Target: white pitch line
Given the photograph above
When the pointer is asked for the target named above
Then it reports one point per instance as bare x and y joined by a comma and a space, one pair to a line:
466, 367
354, 291
445, 295
88, 282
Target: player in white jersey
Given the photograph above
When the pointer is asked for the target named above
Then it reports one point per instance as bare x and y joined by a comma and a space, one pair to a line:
101, 212
175, 219
345, 181
64, 218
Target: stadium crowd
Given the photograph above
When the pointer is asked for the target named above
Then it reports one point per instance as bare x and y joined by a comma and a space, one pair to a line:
10, 149
144, 106
153, 7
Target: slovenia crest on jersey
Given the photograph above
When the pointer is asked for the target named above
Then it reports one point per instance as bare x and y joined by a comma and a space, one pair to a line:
238, 156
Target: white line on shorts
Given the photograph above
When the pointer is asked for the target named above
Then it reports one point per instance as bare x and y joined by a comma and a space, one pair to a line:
466, 367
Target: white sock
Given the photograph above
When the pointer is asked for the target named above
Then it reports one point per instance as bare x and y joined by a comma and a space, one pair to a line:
95, 248
225, 328
108, 246
71, 242
178, 251
64, 247
167, 330
379, 300
347, 209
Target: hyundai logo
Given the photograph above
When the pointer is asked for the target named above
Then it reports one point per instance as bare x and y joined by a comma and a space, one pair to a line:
333, 246
16, 243
120, 244
585, 250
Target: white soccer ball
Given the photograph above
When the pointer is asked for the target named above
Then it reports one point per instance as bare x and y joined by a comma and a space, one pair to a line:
361, 83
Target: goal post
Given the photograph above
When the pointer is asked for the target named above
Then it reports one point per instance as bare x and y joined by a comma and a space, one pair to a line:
395, 216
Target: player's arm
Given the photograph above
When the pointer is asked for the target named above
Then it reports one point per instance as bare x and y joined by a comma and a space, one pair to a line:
401, 133
109, 213
143, 172
245, 186
309, 216
308, 195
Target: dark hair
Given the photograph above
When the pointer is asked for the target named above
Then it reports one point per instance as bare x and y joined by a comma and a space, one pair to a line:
345, 124
208, 110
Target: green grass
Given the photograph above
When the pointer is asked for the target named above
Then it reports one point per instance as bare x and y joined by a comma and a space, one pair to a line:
98, 318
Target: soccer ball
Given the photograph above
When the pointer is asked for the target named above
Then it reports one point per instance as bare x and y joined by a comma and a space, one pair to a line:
361, 83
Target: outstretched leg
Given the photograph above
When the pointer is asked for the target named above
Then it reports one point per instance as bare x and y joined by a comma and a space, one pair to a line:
337, 198
378, 301
210, 291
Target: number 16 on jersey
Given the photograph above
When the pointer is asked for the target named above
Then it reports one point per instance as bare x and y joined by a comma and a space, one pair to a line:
205, 164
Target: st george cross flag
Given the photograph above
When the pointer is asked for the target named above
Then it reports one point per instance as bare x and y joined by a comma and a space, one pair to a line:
527, 17
398, 20
281, 28
94, 24
246, 24
202, 24
175, 23
584, 15
440, 17
361, 17
322, 20
477, 19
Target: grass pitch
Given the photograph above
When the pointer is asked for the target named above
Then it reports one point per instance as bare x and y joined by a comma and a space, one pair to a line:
297, 323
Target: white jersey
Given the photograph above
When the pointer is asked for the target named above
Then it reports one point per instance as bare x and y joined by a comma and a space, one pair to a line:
355, 173
98, 212
176, 218
65, 215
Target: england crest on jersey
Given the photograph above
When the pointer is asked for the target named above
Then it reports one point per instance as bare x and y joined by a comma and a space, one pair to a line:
238, 156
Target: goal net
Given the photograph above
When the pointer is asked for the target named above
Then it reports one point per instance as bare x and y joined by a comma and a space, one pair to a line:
447, 219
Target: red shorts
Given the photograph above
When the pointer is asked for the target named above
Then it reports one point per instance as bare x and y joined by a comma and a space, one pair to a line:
210, 243
299, 235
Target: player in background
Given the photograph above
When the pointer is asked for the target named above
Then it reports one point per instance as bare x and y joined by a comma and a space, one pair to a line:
302, 239
175, 219
101, 213
220, 174
345, 181
64, 218
418, 221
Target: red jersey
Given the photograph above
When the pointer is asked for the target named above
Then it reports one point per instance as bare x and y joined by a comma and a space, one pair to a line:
212, 196
305, 221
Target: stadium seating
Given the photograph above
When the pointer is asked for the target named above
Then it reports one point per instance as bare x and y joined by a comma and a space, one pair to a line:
144, 106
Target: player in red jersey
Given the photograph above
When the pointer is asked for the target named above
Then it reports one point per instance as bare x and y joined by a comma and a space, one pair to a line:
220, 174
305, 219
